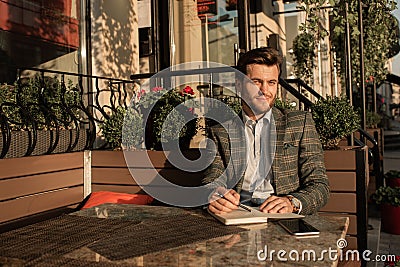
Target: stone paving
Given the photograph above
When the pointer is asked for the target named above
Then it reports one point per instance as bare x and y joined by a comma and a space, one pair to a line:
379, 242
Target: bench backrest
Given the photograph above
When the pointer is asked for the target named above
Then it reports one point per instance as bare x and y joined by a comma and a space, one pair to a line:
31, 185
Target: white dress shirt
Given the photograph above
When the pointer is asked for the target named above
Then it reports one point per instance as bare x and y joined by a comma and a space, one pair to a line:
258, 175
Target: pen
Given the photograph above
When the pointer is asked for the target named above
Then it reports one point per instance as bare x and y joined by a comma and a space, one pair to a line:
240, 205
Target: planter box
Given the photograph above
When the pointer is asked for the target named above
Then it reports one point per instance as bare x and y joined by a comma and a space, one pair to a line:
21, 143
348, 174
393, 182
390, 219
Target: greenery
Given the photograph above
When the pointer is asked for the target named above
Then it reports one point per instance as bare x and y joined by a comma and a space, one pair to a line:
222, 110
167, 105
154, 107
334, 119
304, 55
47, 102
283, 104
113, 127
380, 37
372, 119
387, 195
392, 174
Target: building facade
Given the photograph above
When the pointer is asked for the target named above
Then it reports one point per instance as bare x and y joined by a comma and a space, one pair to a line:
124, 37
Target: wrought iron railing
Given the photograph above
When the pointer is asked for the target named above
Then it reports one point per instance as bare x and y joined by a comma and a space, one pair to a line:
48, 111
373, 152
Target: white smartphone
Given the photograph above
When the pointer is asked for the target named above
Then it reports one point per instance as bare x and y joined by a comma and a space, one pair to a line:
298, 227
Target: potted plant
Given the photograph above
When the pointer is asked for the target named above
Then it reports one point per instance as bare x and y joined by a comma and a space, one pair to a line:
372, 119
394, 263
44, 114
334, 119
125, 127
389, 200
284, 104
346, 166
392, 178
112, 129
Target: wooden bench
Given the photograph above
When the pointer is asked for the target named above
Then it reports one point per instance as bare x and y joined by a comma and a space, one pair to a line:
39, 187
110, 171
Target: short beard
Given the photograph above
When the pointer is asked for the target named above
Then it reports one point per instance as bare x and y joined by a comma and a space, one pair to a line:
254, 111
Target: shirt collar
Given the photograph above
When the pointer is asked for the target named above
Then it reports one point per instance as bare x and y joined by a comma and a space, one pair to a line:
248, 121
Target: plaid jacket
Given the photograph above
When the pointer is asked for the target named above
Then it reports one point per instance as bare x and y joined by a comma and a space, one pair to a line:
298, 164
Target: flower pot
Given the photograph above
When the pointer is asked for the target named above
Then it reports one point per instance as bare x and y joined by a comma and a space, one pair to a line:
393, 182
68, 140
390, 217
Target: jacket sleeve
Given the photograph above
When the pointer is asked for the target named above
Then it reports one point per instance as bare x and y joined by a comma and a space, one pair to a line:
313, 191
216, 149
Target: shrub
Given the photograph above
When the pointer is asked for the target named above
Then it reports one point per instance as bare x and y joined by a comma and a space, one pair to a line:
372, 119
154, 106
334, 119
387, 195
47, 102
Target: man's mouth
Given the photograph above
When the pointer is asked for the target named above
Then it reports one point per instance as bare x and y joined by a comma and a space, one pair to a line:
262, 98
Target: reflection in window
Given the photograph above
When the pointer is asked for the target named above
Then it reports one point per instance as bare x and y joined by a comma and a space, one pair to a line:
38, 34
203, 31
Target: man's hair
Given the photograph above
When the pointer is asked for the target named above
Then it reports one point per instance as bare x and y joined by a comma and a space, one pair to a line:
264, 56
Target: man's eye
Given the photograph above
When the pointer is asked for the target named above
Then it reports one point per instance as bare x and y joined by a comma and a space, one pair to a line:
272, 83
256, 81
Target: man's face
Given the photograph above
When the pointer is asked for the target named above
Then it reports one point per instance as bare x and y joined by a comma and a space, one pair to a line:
259, 92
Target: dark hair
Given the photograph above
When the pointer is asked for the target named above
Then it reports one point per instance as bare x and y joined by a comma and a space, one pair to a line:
264, 55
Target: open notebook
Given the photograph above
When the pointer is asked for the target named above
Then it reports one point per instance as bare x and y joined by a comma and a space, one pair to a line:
242, 216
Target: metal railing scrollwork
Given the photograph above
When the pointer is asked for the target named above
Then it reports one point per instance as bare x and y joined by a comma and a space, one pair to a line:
48, 111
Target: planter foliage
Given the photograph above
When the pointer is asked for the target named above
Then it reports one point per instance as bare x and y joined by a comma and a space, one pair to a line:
45, 102
334, 119
113, 127
42, 115
392, 174
387, 195
392, 178
283, 104
372, 119
128, 128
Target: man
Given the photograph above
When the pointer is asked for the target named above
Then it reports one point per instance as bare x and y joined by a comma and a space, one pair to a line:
294, 178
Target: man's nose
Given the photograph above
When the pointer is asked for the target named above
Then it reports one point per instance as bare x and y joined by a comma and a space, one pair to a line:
264, 88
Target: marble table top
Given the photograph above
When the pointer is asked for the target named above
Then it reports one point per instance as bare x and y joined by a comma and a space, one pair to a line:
265, 244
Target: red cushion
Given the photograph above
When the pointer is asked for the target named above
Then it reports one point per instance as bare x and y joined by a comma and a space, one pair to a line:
101, 197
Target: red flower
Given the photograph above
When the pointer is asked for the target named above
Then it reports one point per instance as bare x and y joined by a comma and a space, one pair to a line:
393, 263
157, 89
188, 90
141, 92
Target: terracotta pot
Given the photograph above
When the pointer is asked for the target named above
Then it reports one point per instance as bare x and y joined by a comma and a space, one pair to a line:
393, 182
390, 217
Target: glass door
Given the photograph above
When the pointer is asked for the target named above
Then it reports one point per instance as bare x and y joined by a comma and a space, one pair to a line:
204, 30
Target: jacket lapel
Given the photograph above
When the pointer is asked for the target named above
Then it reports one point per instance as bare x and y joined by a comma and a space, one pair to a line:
237, 153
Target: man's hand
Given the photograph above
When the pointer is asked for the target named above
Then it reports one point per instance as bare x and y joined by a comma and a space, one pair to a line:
228, 203
275, 204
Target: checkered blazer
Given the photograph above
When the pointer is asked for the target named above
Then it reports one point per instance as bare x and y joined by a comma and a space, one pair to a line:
298, 165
